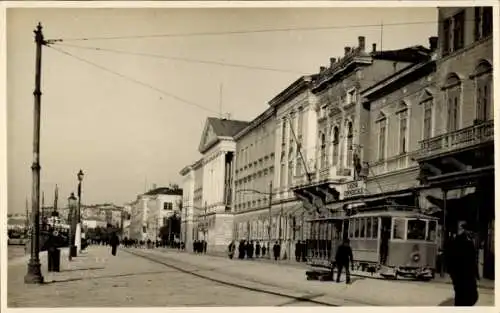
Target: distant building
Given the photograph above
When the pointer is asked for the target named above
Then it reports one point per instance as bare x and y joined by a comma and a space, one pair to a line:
151, 211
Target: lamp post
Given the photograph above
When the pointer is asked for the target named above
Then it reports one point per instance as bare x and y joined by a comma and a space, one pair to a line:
34, 273
270, 195
72, 225
78, 234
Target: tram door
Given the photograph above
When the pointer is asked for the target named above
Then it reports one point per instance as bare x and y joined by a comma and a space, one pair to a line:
385, 235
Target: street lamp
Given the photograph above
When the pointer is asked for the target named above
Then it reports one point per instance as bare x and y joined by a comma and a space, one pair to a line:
78, 234
72, 225
270, 194
34, 273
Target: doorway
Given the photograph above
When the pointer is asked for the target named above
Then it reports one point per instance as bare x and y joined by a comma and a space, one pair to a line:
385, 235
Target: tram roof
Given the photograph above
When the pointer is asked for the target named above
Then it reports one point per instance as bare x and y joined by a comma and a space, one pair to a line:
393, 213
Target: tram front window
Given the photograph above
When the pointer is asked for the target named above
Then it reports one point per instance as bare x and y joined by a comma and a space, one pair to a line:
416, 230
431, 233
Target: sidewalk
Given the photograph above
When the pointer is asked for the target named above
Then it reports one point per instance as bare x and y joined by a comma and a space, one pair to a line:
483, 283
362, 290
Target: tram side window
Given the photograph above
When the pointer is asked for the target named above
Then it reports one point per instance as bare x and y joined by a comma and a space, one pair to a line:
369, 230
431, 233
416, 230
375, 227
356, 228
352, 222
398, 231
362, 227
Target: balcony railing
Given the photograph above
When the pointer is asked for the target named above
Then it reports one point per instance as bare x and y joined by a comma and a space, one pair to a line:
458, 139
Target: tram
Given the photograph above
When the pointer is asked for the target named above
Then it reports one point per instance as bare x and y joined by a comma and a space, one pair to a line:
389, 240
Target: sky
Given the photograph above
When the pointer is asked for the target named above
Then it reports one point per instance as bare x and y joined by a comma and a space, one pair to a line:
127, 134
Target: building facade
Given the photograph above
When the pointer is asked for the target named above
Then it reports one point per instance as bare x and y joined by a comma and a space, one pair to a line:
188, 207
213, 184
253, 178
152, 210
456, 161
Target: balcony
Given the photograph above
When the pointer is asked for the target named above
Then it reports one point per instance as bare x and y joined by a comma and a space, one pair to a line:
456, 140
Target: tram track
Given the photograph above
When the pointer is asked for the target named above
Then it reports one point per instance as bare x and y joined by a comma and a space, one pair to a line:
309, 298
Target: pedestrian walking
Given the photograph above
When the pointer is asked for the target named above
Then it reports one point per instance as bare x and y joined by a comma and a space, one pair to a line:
461, 262
276, 251
230, 250
257, 250
342, 259
204, 246
114, 242
297, 251
264, 249
241, 250
250, 250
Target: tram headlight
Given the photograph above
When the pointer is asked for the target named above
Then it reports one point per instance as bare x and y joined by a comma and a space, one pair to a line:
416, 257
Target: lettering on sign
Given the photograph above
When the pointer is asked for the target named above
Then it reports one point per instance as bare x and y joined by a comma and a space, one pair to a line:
352, 189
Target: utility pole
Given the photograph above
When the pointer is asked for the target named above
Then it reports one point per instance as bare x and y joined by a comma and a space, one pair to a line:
270, 217
34, 273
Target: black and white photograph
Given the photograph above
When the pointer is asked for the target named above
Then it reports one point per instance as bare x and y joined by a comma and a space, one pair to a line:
234, 155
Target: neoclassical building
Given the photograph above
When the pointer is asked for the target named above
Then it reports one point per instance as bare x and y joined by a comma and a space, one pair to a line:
210, 185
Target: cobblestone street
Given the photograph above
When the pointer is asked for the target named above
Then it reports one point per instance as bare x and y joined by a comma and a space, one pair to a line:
160, 277
96, 279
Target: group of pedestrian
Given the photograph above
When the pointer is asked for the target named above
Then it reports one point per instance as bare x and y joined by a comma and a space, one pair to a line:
200, 246
251, 249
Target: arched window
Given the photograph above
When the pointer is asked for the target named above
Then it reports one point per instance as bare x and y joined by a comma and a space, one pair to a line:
382, 129
335, 139
427, 101
483, 80
323, 150
453, 100
403, 127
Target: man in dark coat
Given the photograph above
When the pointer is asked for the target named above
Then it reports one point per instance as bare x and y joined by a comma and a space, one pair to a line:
241, 250
264, 249
460, 255
250, 250
276, 251
114, 242
257, 250
342, 258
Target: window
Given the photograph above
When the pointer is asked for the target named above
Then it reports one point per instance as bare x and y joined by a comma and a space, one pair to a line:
349, 143
446, 36
351, 96
165, 221
403, 125
431, 231
291, 132
323, 151
375, 227
362, 228
416, 230
352, 225
335, 144
458, 31
167, 206
483, 78
427, 119
398, 231
483, 22
357, 228
369, 230
453, 94
143, 229
381, 139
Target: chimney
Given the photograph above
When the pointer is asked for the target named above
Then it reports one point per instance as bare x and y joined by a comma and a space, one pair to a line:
361, 43
374, 47
347, 50
332, 61
322, 69
433, 43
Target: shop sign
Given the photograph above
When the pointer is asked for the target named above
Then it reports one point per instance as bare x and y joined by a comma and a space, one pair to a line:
353, 189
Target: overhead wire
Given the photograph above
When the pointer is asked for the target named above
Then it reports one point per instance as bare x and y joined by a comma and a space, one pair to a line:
163, 92
255, 31
157, 56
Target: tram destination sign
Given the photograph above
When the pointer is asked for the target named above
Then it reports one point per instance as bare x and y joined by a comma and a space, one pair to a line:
352, 189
